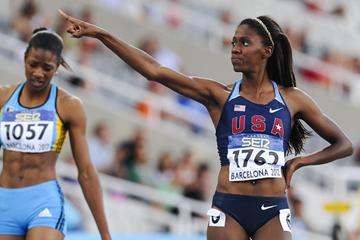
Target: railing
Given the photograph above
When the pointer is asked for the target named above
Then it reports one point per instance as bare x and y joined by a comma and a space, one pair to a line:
341, 181
182, 224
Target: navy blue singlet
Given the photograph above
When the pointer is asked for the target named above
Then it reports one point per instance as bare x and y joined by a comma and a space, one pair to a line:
253, 138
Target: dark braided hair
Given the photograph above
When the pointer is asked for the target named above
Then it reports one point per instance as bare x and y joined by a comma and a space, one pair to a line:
47, 39
280, 69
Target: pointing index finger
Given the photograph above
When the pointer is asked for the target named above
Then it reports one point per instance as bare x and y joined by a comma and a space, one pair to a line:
67, 17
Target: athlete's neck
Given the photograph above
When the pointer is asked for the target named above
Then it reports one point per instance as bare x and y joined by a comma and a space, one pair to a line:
30, 97
256, 84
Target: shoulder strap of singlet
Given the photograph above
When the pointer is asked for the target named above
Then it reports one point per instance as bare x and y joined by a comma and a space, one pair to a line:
51, 101
13, 99
235, 92
277, 93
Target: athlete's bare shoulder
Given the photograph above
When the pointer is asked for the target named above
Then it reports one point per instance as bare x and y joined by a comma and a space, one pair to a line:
67, 104
293, 93
296, 98
5, 92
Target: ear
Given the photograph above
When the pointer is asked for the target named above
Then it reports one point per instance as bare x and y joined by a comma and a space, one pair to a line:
267, 52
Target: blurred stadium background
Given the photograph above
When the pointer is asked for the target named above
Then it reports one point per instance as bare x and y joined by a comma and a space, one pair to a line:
155, 150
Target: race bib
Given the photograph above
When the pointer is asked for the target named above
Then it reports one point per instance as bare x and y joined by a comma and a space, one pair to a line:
255, 156
27, 132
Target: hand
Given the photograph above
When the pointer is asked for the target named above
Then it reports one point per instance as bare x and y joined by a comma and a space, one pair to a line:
290, 167
79, 28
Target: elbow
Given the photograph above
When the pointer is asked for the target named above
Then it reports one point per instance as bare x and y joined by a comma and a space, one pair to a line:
86, 174
350, 148
155, 74
347, 147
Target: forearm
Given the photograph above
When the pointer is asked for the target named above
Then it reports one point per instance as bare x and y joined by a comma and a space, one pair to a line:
90, 186
333, 152
134, 57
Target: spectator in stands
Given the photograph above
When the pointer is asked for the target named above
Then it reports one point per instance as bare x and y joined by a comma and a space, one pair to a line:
100, 148
152, 46
199, 188
130, 146
165, 174
339, 10
140, 171
173, 15
27, 19
257, 123
118, 167
186, 169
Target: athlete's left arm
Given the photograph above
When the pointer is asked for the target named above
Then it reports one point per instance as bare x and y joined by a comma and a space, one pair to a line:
340, 146
88, 179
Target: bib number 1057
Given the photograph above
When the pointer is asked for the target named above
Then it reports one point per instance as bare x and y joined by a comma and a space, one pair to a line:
29, 131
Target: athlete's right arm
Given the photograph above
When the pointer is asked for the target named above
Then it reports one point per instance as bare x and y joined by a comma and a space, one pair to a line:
200, 89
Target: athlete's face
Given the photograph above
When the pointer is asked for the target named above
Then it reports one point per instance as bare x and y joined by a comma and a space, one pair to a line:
40, 67
248, 50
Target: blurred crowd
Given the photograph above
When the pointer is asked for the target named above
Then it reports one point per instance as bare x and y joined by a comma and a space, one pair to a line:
173, 14
129, 159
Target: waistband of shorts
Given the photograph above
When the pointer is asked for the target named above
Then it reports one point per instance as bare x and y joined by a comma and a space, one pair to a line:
37, 187
249, 197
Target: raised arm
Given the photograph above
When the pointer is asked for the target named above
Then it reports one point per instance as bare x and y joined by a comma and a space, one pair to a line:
340, 146
199, 89
88, 179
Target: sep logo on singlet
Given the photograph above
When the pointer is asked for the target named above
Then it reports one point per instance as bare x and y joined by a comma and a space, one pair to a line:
27, 117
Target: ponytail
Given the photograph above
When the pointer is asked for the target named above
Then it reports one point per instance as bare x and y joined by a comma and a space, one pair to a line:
280, 69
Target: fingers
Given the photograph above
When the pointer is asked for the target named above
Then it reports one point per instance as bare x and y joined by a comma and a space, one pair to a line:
67, 17
76, 33
75, 28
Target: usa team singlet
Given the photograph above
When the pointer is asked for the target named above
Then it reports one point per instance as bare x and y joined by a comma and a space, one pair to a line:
253, 138
32, 130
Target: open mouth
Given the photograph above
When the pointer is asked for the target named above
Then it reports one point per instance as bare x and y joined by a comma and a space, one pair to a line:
37, 82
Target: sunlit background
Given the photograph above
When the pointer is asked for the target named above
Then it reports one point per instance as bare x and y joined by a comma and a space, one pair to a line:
154, 149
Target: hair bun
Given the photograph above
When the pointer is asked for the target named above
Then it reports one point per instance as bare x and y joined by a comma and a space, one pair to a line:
39, 29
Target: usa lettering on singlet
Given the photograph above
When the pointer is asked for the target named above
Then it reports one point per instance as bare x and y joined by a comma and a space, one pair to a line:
255, 156
252, 138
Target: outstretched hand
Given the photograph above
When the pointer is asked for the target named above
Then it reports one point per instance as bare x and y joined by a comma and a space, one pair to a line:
78, 28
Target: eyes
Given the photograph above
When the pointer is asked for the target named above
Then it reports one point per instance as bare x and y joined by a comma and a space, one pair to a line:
243, 42
44, 66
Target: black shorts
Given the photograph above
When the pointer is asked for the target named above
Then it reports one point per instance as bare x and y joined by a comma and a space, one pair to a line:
252, 212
